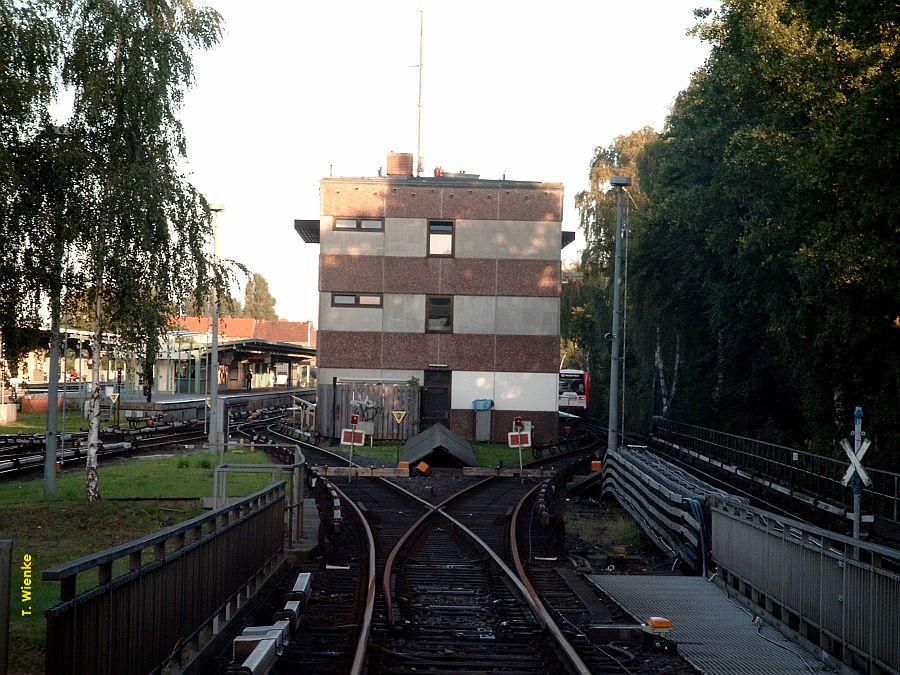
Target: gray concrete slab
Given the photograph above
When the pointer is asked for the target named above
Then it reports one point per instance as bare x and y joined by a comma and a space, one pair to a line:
713, 633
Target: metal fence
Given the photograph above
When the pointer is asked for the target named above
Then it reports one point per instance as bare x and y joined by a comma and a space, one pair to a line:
805, 471
176, 589
812, 581
374, 404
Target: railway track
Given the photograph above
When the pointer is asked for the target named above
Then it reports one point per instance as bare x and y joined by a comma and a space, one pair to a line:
419, 547
25, 455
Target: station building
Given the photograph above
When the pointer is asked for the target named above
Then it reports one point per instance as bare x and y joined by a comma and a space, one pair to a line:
451, 281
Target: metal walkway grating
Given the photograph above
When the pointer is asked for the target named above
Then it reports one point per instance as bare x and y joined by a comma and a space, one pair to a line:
713, 633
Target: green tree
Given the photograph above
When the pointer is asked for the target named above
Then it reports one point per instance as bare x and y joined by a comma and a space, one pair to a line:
142, 246
29, 53
258, 301
766, 251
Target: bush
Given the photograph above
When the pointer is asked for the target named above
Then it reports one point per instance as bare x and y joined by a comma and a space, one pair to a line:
205, 463
182, 463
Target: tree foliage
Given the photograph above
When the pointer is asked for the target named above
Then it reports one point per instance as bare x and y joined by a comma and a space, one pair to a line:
768, 243
258, 301
101, 212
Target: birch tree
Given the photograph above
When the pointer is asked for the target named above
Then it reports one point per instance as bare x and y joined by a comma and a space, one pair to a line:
143, 244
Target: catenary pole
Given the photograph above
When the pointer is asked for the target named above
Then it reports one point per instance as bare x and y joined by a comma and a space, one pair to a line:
213, 373
618, 182
50, 439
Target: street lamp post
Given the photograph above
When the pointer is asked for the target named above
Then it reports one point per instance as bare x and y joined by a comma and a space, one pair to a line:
612, 443
213, 374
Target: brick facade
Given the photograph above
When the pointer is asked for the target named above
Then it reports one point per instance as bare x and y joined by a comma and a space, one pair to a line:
506, 245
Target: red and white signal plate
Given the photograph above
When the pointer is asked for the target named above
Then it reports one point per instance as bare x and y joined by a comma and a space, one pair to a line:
519, 439
353, 437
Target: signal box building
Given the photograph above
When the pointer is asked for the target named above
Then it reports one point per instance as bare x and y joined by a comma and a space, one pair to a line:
451, 280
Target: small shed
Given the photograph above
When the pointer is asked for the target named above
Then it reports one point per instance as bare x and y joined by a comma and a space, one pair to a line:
439, 446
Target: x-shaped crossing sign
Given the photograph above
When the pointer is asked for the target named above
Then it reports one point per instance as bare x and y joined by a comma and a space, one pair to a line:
856, 462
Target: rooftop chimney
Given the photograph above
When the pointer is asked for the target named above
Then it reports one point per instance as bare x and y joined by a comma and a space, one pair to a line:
400, 164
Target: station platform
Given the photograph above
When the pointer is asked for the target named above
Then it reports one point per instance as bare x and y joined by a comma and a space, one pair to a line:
713, 633
183, 407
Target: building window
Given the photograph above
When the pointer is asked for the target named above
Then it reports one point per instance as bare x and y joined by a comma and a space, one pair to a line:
356, 299
440, 238
438, 314
368, 224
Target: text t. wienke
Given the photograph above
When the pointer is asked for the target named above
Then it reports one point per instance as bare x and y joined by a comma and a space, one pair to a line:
26, 584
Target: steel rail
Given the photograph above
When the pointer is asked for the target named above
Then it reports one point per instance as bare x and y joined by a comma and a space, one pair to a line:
392, 556
529, 597
365, 629
539, 611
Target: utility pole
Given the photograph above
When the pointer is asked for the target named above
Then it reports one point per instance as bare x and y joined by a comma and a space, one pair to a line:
214, 421
618, 182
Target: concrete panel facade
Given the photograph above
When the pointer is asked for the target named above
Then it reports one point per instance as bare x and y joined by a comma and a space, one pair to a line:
348, 318
474, 314
401, 313
526, 391
404, 313
509, 391
406, 237
475, 238
348, 242
504, 277
535, 240
468, 386
528, 316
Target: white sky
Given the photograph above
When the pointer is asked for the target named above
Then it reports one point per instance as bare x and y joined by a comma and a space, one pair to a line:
525, 88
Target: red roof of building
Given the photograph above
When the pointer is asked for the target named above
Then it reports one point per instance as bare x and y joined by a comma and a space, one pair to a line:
236, 327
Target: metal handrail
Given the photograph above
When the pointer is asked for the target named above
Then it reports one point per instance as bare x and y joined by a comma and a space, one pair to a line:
74, 567
819, 473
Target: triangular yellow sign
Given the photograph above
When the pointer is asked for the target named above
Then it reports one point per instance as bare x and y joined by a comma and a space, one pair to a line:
398, 415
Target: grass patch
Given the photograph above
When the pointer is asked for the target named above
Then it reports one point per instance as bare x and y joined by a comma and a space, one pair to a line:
36, 423
609, 529
174, 476
54, 530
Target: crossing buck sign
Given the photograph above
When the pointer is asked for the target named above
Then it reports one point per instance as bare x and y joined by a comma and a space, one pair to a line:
856, 467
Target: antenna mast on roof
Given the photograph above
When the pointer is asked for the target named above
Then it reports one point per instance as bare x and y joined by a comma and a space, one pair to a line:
419, 165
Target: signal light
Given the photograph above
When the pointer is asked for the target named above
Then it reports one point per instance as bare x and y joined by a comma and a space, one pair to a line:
354, 419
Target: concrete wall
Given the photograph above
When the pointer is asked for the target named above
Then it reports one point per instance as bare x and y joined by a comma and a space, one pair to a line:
349, 242
536, 240
401, 313
483, 239
507, 315
406, 237
472, 314
509, 391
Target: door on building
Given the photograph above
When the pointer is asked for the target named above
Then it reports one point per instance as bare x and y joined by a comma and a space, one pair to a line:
436, 398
